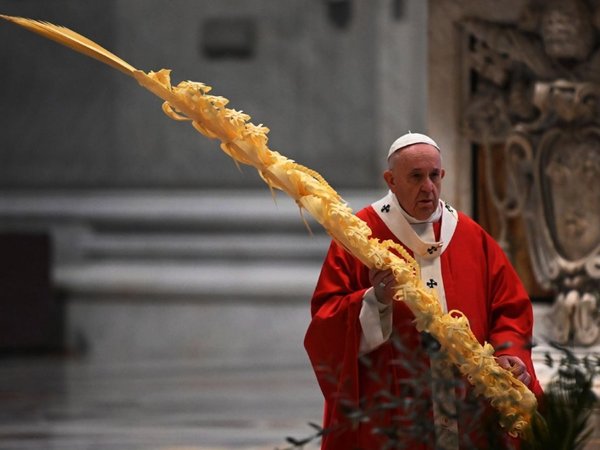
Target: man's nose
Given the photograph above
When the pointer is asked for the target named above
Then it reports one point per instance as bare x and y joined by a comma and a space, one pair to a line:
427, 185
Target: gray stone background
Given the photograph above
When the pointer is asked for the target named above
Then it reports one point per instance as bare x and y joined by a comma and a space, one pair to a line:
180, 289
152, 226
333, 97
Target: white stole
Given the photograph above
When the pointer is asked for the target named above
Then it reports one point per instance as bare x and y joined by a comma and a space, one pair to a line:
419, 237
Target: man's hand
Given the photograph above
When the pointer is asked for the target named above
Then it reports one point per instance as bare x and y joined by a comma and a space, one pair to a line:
383, 282
516, 366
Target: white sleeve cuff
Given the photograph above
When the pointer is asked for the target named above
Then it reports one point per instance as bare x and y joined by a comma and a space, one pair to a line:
375, 321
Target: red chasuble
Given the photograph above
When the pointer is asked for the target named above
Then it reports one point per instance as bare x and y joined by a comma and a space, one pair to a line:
383, 393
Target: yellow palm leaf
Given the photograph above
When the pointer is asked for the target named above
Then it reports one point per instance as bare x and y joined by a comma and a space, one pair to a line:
72, 40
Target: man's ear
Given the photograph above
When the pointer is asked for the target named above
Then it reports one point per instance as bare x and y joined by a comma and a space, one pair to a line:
388, 176
443, 174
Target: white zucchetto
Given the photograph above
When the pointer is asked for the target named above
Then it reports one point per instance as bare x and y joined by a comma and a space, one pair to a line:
410, 139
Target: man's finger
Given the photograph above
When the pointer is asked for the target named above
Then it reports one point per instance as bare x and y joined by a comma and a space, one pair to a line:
525, 378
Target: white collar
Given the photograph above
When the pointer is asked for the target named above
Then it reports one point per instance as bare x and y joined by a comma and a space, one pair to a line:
392, 214
437, 214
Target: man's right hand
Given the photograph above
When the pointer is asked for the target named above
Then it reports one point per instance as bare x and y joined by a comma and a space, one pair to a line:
383, 283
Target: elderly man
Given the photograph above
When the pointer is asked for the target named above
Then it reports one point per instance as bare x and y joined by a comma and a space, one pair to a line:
381, 380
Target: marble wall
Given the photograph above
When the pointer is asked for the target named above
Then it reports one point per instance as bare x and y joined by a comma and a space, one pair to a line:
136, 204
334, 96
58, 109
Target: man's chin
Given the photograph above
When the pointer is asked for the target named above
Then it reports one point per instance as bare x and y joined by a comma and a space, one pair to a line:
424, 212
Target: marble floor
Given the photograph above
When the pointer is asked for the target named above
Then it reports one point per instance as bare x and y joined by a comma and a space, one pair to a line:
64, 404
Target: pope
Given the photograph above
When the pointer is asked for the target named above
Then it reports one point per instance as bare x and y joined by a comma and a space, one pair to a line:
384, 383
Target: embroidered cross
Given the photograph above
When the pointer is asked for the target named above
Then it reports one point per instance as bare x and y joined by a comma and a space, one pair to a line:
432, 249
385, 208
431, 283
449, 208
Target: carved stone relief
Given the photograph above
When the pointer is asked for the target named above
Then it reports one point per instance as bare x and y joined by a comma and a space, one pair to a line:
536, 88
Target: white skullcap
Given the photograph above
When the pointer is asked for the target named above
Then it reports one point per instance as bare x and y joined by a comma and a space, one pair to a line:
410, 139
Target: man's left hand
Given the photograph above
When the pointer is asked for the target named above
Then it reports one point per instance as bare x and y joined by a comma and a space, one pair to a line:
515, 366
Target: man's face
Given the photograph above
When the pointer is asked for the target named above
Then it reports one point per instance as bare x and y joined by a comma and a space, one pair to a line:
415, 176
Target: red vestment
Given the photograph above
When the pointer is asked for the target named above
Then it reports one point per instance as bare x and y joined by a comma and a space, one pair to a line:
478, 280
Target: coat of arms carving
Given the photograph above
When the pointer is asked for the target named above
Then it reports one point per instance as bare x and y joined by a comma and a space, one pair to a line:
537, 92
